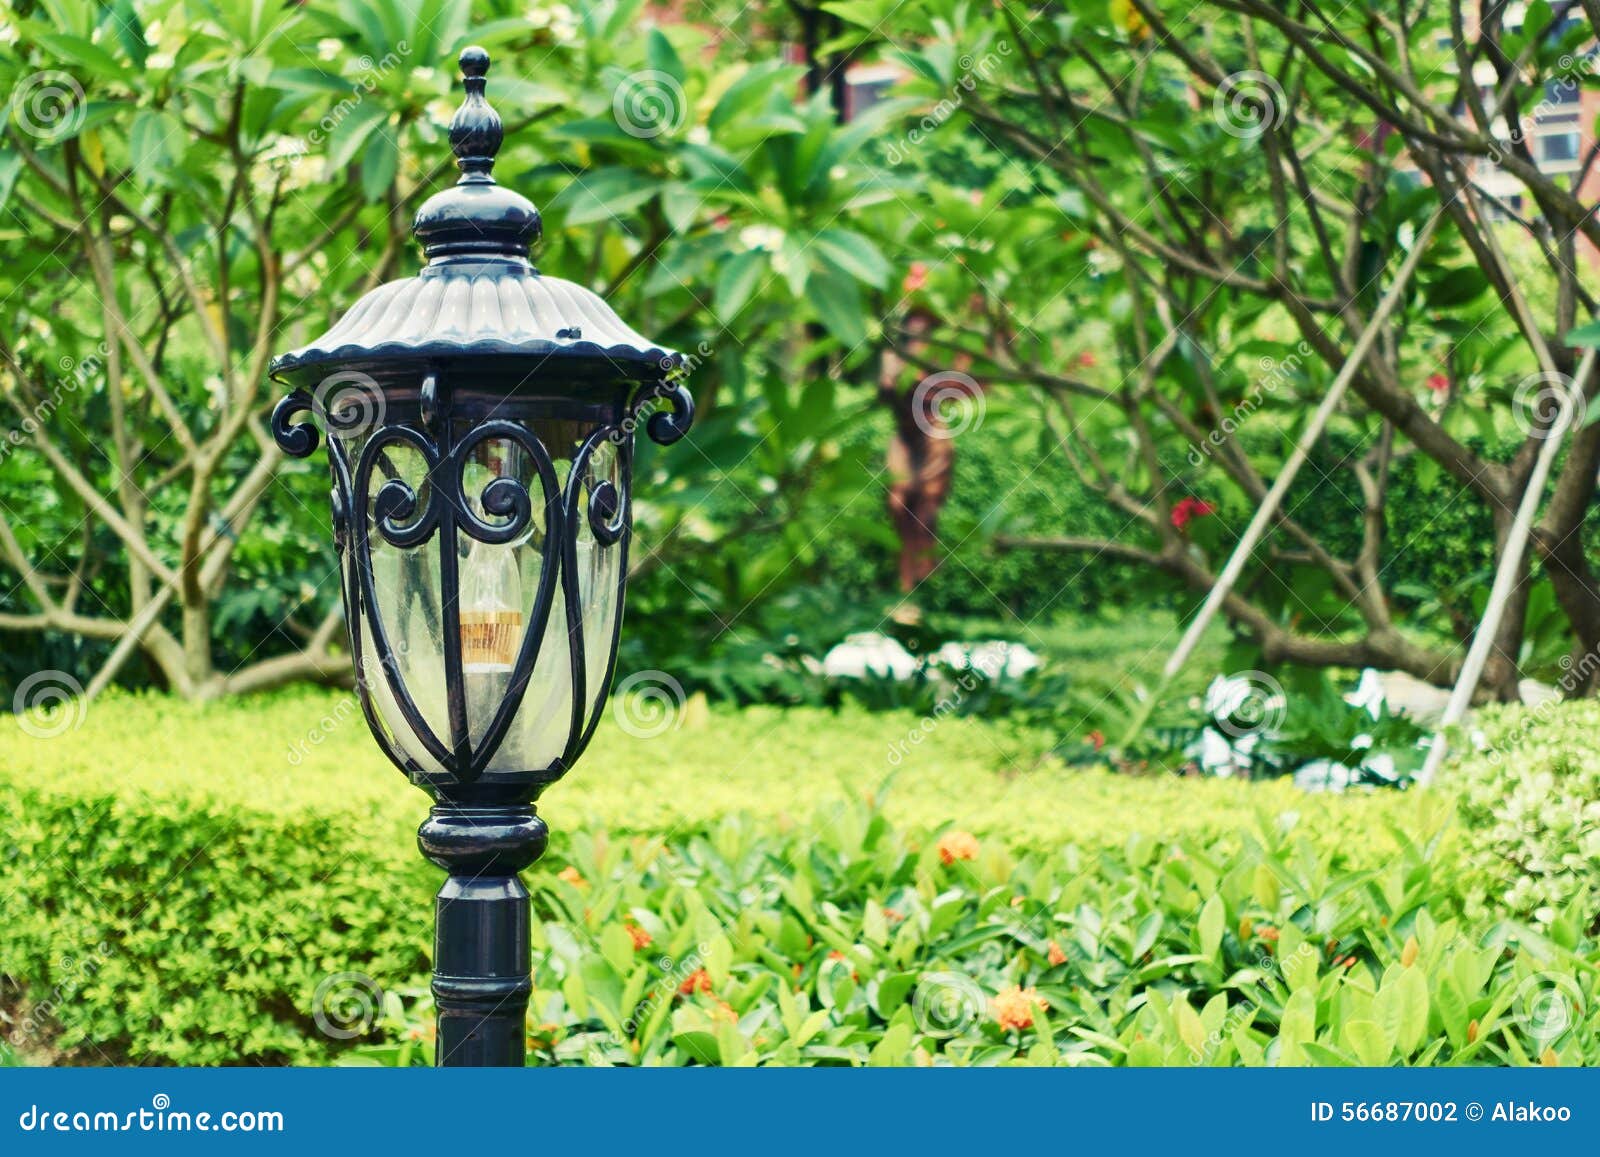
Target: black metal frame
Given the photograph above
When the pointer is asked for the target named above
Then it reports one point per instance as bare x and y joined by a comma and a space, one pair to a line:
483, 828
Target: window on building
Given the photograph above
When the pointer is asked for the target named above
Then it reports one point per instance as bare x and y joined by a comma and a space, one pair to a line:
1557, 147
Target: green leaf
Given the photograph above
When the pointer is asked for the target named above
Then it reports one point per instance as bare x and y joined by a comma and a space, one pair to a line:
662, 57
838, 306
892, 1047
604, 195
378, 165
156, 142
1370, 1043
349, 134
616, 945
1586, 335
1212, 916
853, 254
736, 281
892, 992
10, 166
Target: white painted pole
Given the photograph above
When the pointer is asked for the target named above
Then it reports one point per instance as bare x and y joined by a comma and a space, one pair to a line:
1505, 579
1270, 503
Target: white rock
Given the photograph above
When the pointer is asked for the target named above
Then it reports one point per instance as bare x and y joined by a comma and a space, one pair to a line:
869, 654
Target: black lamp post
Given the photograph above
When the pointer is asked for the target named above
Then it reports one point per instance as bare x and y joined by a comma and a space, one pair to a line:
480, 420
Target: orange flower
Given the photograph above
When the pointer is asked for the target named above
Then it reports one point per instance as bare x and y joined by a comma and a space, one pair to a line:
641, 938
955, 846
892, 916
836, 955
725, 1011
1268, 932
1013, 1007
697, 981
571, 875
1056, 955
916, 278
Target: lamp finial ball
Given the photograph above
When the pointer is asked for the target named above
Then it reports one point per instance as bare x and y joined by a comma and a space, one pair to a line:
474, 61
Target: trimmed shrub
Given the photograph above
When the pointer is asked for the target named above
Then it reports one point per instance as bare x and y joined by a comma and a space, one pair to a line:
1530, 799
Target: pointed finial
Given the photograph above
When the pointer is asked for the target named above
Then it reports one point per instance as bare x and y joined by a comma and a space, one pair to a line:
475, 131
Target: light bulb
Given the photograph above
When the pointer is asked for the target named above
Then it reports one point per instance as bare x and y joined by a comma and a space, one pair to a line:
491, 609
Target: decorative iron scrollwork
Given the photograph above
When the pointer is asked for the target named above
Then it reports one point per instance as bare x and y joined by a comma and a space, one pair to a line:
665, 426
296, 439
504, 497
402, 517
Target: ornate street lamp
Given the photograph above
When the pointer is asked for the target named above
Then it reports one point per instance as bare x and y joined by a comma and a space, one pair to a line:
479, 420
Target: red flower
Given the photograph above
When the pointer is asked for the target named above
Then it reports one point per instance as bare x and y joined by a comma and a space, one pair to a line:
697, 981
641, 938
1190, 508
1438, 383
1097, 738
955, 846
1086, 359
917, 278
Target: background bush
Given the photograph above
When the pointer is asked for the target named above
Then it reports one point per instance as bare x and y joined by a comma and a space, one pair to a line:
1530, 797
187, 909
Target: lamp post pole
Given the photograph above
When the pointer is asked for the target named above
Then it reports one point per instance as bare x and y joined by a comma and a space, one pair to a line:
482, 583
482, 965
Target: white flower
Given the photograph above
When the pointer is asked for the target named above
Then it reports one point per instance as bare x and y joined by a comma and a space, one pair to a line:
440, 112
159, 61
699, 135
329, 48
8, 33
424, 75
152, 33
768, 237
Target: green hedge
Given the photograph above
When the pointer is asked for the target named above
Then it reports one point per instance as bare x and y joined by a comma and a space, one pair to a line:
177, 888
1529, 783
